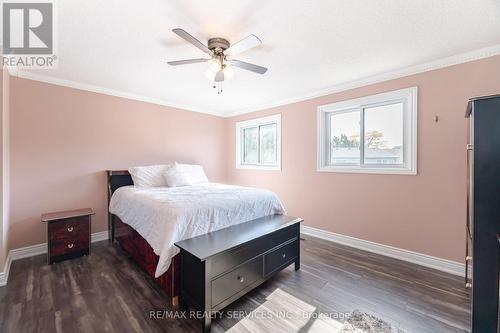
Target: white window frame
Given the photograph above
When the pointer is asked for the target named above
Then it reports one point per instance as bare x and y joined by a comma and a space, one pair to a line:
240, 126
406, 96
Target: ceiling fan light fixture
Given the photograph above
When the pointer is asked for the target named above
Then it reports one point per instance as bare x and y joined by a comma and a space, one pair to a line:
220, 62
210, 74
214, 65
228, 72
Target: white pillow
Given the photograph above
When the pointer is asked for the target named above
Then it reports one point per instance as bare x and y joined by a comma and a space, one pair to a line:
184, 175
176, 176
149, 176
195, 172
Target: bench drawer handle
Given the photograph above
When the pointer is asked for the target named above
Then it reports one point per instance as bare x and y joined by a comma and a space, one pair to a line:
283, 256
70, 246
70, 229
241, 279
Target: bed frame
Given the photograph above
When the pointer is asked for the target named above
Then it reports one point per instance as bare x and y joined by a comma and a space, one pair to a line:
136, 246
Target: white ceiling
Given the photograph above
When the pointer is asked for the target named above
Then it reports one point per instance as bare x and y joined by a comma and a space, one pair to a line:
309, 46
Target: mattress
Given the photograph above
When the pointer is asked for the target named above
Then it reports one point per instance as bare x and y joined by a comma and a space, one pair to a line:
166, 215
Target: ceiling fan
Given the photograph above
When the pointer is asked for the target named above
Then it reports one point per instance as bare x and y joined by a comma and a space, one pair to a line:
221, 53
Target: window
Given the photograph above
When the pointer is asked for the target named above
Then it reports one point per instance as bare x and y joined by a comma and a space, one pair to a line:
258, 143
374, 134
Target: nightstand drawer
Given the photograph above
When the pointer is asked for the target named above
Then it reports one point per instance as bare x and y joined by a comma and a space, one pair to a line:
69, 228
69, 246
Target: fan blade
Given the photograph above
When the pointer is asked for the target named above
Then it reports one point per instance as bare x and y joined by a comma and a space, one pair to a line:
248, 66
219, 77
245, 44
190, 39
186, 62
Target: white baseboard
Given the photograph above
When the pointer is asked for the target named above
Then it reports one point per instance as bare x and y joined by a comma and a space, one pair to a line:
440, 264
4, 276
444, 265
34, 250
99, 236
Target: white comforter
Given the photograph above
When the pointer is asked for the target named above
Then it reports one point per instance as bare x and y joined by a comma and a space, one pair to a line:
165, 215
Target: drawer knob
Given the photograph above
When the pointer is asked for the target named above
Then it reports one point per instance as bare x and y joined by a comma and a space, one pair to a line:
70, 229
241, 279
70, 245
283, 256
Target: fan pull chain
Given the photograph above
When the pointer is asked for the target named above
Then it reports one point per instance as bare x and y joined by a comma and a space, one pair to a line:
218, 86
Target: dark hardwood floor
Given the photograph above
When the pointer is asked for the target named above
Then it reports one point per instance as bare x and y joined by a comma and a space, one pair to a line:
106, 292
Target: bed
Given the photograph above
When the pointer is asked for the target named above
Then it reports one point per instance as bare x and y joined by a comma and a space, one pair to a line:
147, 222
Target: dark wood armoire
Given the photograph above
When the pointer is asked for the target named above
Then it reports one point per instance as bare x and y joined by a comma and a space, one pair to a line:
483, 211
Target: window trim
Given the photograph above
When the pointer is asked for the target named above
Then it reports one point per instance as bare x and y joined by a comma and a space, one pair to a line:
407, 96
240, 126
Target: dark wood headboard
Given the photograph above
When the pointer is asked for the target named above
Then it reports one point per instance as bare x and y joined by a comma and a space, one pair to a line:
115, 180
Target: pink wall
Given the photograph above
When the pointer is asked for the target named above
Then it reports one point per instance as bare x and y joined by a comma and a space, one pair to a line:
63, 139
423, 213
3, 252
4, 165
4, 109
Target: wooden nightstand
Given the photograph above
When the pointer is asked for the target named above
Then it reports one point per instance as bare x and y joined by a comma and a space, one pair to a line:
68, 234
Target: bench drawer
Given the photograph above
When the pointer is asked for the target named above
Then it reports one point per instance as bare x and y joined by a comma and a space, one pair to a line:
226, 261
281, 256
235, 281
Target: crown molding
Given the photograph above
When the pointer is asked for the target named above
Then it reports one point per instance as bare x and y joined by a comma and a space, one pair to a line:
482, 53
106, 91
486, 52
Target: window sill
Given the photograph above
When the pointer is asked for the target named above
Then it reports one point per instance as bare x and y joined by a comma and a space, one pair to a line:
259, 167
382, 171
